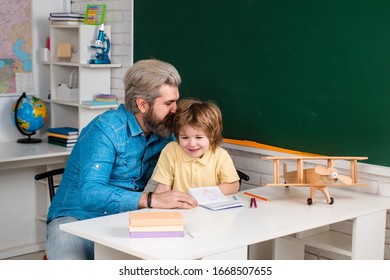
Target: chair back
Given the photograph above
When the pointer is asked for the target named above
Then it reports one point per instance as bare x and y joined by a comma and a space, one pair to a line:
49, 175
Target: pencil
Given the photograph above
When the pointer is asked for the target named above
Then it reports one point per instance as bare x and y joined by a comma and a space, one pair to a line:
257, 196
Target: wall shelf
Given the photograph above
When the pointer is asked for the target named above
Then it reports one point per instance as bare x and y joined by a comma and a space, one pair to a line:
92, 79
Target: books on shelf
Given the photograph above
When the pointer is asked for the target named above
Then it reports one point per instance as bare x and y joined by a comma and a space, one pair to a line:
62, 140
212, 198
63, 144
98, 103
156, 224
62, 136
106, 98
66, 18
101, 99
66, 130
67, 15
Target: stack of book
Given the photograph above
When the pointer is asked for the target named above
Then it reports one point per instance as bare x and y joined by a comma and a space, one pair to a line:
156, 224
66, 18
62, 136
106, 98
102, 99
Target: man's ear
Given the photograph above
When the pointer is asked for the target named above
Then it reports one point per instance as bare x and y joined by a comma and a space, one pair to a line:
142, 105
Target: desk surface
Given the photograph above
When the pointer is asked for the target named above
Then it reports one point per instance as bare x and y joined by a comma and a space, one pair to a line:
13, 151
219, 231
17, 155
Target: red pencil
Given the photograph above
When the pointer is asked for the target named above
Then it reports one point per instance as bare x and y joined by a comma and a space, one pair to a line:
257, 196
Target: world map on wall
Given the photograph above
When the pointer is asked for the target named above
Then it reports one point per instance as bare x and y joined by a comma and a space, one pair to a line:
16, 42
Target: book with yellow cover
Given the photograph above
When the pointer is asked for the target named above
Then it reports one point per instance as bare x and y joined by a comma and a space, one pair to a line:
75, 136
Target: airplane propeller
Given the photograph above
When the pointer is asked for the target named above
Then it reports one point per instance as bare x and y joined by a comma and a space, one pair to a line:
332, 174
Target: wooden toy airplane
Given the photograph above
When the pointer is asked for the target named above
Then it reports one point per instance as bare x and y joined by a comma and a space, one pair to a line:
317, 178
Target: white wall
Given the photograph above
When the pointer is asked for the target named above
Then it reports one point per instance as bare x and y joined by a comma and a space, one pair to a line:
8, 131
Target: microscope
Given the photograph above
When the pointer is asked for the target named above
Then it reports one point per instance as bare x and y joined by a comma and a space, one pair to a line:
102, 45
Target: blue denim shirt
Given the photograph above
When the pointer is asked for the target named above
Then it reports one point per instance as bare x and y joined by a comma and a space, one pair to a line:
108, 168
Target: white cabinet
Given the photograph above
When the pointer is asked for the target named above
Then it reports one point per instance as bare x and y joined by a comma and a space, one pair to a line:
66, 107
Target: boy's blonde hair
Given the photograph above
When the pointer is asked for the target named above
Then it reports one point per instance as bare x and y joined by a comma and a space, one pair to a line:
203, 115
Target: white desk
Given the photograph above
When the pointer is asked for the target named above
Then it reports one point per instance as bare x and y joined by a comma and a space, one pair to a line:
22, 199
226, 234
16, 155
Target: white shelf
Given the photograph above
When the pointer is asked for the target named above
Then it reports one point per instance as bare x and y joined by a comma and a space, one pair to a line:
64, 102
332, 241
86, 65
70, 26
100, 65
67, 64
98, 107
66, 107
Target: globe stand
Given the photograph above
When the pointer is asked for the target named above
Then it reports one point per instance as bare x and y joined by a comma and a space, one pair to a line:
27, 140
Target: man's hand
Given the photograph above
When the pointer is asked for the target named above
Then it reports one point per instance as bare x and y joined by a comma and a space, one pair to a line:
169, 200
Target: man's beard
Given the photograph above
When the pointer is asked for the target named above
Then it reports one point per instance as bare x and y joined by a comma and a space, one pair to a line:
164, 127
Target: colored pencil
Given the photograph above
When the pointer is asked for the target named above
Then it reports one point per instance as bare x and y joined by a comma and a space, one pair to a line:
257, 196
254, 202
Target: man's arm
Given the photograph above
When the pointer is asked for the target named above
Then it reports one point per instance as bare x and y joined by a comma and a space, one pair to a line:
168, 200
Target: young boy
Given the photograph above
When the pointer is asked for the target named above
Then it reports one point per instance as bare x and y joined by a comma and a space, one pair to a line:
196, 159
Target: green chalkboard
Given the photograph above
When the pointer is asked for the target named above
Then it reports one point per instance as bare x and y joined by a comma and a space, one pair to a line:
311, 75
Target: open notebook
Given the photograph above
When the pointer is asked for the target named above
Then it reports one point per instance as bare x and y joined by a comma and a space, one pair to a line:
212, 198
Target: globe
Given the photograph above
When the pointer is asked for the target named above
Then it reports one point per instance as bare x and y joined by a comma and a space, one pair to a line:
30, 116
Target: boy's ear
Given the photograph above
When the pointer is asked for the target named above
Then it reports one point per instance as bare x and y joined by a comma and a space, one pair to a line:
142, 105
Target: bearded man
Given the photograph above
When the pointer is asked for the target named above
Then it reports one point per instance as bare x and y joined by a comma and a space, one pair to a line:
114, 158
